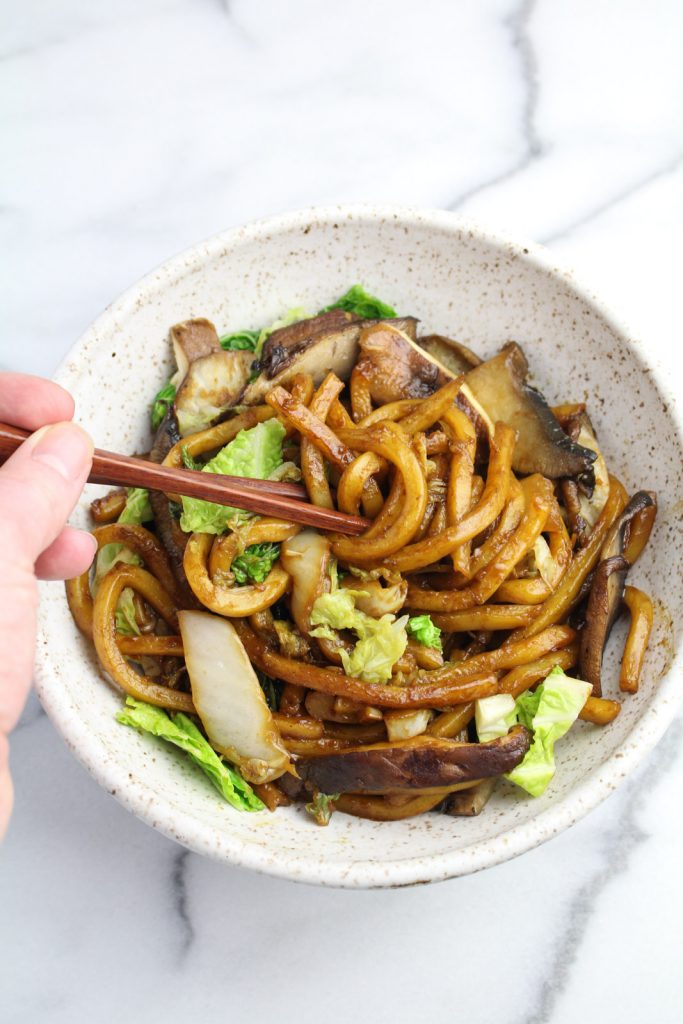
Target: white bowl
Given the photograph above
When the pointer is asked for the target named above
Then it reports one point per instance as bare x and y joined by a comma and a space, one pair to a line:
482, 290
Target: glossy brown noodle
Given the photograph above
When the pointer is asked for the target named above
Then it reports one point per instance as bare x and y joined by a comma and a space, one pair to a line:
456, 534
104, 635
641, 612
207, 563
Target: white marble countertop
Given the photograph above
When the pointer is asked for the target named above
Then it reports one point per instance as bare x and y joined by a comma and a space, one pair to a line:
136, 128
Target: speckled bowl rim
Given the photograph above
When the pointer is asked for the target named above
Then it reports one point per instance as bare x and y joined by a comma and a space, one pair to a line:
144, 801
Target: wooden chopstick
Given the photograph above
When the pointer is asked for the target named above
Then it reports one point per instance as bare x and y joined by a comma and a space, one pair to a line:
266, 497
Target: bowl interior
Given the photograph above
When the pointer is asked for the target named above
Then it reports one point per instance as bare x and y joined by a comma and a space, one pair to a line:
458, 281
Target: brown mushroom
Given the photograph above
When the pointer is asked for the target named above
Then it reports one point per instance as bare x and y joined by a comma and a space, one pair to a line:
419, 763
191, 340
212, 385
617, 540
592, 487
575, 520
500, 385
209, 380
455, 357
292, 786
604, 604
607, 589
280, 347
325, 343
395, 367
467, 803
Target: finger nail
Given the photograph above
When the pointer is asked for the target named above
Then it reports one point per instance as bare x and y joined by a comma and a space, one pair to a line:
64, 447
93, 545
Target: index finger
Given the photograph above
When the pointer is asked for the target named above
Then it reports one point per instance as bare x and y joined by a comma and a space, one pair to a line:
32, 402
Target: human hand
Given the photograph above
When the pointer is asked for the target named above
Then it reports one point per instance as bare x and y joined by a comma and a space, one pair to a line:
39, 486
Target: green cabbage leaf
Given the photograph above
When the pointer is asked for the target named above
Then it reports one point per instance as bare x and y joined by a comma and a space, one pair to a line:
381, 642
356, 300
254, 453
255, 562
422, 629
548, 712
181, 731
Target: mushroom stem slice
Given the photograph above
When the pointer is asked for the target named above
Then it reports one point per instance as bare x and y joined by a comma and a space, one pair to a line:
604, 605
467, 803
622, 546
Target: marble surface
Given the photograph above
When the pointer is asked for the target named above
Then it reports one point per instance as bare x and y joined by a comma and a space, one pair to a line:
139, 127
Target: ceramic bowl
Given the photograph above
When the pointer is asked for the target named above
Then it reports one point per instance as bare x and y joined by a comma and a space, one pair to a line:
482, 290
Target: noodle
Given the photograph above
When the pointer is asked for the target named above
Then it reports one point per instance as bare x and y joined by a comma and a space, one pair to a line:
640, 608
377, 808
447, 725
139, 540
207, 563
490, 616
104, 634
439, 692
312, 462
436, 407
415, 556
359, 390
562, 601
490, 578
298, 727
157, 646
459, 493
600, 711
385, 439
482, 572
353, 480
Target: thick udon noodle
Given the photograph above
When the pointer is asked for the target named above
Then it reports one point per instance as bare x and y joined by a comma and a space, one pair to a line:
451, 533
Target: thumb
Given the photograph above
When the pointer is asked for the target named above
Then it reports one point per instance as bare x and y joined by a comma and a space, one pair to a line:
39, 486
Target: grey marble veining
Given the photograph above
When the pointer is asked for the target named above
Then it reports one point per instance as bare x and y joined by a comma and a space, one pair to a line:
672, 166
618, 845
180, 897
517, 24
139, 127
